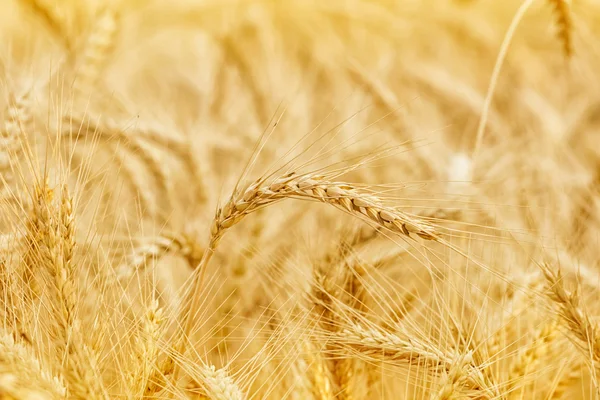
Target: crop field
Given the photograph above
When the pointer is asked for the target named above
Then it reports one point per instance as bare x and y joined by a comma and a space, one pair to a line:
299, 199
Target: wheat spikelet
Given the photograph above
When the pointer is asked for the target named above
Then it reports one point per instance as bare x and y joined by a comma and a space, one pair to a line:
322, 387
217, 384
323, 291
338, 281
56, 247
580, 325
454, 377
147, 352
96, 51
14, 312
21, 276
36, 230
22, 376
399, 346
315, 188
347, 370
15, 128
146, 249
374, 342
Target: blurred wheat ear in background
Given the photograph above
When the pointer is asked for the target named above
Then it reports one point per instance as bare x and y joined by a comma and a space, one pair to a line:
299, 199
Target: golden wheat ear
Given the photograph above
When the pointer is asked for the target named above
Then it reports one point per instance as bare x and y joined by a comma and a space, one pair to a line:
581, 328
23, 375
564, 23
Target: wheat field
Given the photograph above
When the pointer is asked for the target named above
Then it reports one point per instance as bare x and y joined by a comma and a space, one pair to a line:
299, 199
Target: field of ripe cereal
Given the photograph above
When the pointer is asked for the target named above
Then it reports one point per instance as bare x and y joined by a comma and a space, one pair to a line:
300, 199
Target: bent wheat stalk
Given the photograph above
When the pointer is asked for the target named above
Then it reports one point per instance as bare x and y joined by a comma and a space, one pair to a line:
344, 196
